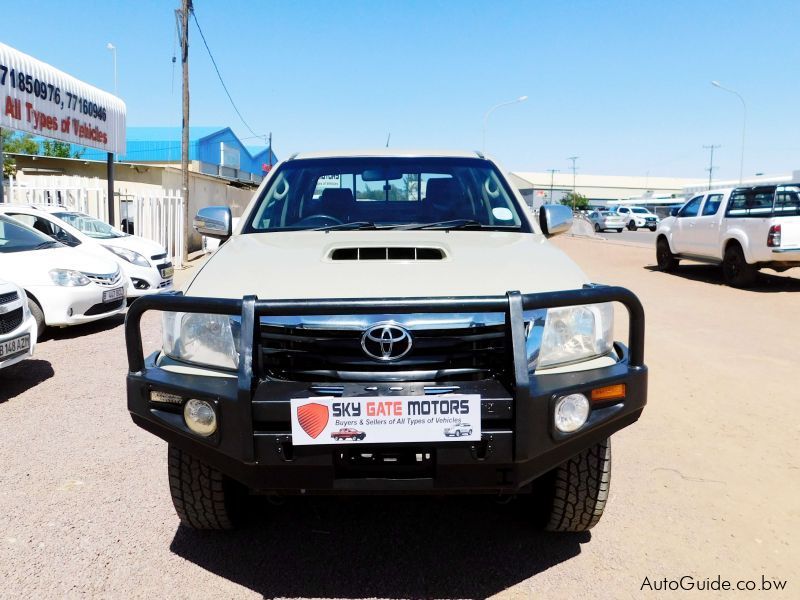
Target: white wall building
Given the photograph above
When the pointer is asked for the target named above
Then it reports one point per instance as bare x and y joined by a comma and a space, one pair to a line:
535, 187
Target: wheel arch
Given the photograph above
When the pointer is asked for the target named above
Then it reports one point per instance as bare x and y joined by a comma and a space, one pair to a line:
32, 296
738, 238
664, 235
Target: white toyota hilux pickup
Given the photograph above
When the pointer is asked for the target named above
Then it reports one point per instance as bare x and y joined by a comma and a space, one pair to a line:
743, 229
386, 322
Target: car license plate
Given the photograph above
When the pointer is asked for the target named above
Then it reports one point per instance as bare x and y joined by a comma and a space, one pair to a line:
15, 346
167, 272
385, 419
115, 294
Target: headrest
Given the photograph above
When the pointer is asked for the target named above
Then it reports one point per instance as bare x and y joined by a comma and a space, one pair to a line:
441, 189
336, 196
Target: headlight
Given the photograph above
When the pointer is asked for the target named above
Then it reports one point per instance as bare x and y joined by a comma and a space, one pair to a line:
68, 278
576, 333
204, 339
129, 255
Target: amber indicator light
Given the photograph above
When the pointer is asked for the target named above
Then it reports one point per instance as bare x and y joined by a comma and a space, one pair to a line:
609, 392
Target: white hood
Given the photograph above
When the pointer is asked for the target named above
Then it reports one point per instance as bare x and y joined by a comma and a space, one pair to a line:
143, 246
33, 267
297, 265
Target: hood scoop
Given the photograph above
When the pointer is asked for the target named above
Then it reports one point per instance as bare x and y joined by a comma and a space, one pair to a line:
387, 253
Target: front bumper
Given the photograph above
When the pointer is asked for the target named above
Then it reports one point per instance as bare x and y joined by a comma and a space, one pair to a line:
27, 327
144, 281
75, 305
253, 443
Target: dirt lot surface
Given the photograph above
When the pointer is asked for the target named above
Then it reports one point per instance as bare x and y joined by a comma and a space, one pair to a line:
705, 484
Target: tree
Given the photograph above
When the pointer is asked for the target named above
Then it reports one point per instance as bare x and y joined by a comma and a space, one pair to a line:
14, 143
56, 148
575, 200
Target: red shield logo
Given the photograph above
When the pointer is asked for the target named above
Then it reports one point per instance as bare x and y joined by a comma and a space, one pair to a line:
312, 418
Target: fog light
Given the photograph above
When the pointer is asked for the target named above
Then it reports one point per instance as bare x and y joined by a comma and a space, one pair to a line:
200, 417
571, 412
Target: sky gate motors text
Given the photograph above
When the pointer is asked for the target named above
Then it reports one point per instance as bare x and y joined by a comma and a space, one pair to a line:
395, 408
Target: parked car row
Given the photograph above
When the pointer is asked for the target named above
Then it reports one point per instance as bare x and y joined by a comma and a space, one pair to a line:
62, 267
617, 218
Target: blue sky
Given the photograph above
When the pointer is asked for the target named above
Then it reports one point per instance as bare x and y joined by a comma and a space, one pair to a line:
623, 85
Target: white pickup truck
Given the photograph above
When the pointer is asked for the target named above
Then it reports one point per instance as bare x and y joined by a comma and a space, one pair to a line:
743, 229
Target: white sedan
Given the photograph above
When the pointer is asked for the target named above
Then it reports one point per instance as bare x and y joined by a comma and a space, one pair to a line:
144, 261
65, 286
17, 325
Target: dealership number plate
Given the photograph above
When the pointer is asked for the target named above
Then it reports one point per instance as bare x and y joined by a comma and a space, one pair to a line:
115, 294
386, 419
15, 346
167, 272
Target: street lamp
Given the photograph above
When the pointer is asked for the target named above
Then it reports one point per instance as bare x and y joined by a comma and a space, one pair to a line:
494, 108
111, 47
744, 122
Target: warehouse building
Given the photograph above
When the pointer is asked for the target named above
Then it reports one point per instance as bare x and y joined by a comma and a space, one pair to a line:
539, 188
214, 151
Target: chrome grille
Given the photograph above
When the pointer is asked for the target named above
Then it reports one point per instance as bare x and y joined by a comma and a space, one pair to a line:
10, 321
109, 280
312, 354
8, 297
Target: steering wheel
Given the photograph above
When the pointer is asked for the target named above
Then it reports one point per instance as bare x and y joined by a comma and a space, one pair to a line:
309, 220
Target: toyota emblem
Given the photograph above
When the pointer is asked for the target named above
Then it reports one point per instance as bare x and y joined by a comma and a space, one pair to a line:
386, 342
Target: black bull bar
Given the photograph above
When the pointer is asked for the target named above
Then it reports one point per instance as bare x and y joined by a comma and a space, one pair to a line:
513, 304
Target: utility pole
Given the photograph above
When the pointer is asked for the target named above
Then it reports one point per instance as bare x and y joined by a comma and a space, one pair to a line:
573, 159
186, 8
270, 150
552, 174
710, 168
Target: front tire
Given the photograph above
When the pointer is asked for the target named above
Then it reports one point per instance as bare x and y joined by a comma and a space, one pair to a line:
735, 268
597, 228
652, 228
577, 490
632, 226
203, 497
664, 257
38, 316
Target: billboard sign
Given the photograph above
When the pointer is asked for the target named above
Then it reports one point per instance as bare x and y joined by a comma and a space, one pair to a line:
41, 100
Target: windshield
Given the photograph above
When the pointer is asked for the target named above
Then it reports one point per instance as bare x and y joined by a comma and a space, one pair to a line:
372, 193
16, 237
94, 228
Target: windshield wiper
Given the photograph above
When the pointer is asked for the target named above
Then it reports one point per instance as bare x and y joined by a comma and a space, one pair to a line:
353, 225
452, 224
46, 244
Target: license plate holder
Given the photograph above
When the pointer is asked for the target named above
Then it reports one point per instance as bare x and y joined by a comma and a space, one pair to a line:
330, 420
167, 271
15, 346
112, 295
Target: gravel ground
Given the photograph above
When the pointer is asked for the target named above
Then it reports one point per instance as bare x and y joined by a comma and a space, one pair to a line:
705, 484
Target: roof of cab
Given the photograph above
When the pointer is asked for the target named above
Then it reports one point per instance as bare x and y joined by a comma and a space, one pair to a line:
390, 152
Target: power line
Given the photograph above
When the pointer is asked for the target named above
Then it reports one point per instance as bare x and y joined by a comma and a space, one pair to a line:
224, 87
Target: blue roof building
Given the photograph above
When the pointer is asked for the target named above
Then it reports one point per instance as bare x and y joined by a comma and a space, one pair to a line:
212, 150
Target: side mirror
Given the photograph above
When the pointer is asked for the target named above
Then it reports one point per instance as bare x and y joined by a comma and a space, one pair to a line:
674, 212
214, 222
555, 219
